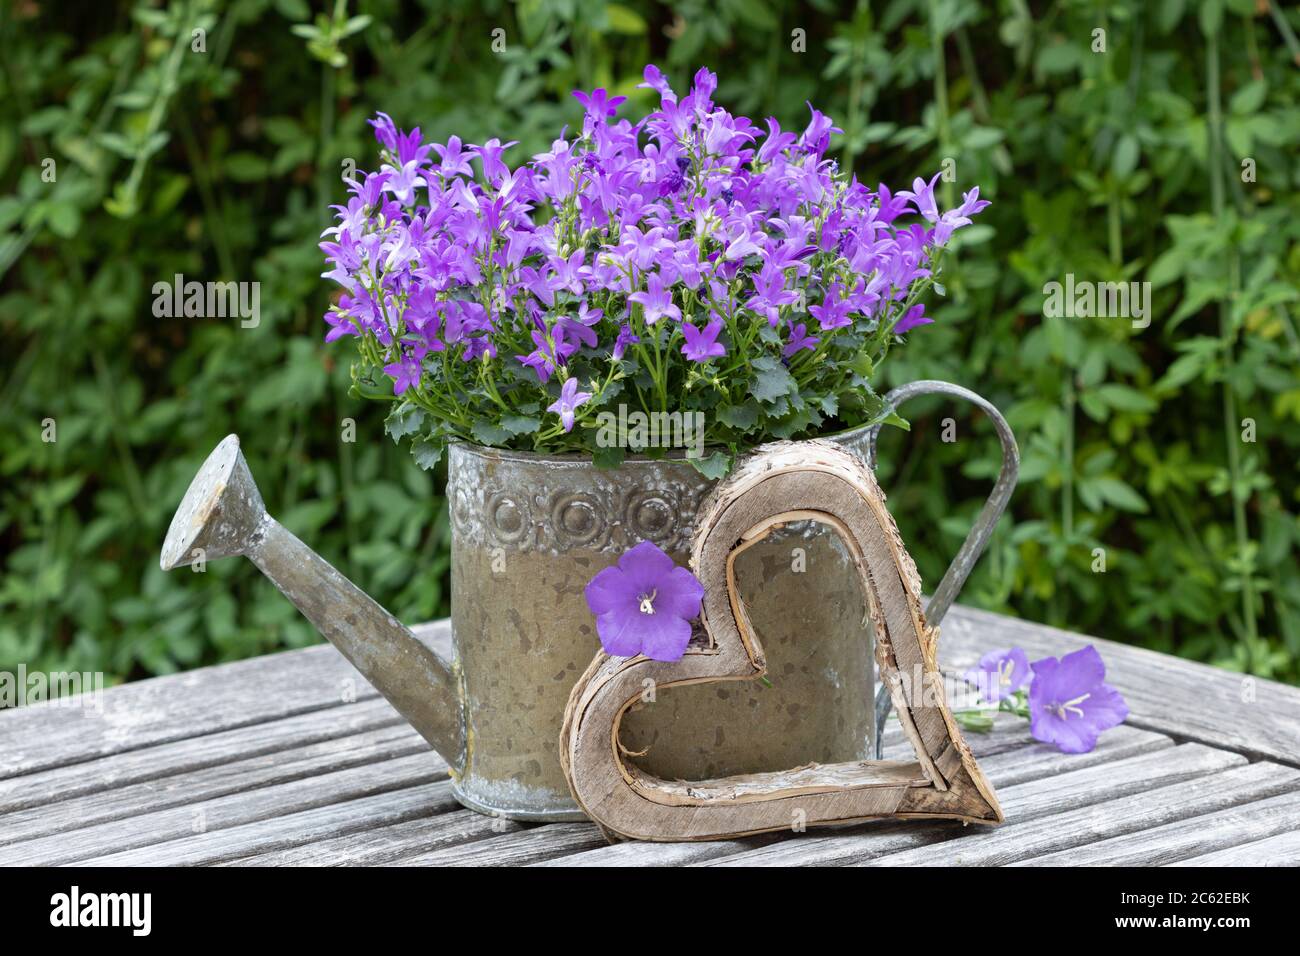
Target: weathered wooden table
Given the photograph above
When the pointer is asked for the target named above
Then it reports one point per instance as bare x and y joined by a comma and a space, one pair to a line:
292, 758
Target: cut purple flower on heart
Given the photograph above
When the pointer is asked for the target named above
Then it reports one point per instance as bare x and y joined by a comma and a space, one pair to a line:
1000, 674
644, 605
1069, 705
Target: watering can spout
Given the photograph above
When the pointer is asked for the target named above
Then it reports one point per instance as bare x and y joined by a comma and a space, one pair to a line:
222, 514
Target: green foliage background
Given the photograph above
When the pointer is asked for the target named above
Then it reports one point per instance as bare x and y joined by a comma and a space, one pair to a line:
1125, 164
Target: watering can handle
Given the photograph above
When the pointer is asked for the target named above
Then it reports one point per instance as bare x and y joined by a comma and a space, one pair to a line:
978, 538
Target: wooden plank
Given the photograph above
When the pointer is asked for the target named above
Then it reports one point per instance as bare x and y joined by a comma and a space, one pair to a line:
515, 849
659, 854
197, 753
1183, 839
388, 844
182, 706
294, 829
1006, 755
1280, 850
1253, 716
1102, 821
1053, 789
222, 813
198, 788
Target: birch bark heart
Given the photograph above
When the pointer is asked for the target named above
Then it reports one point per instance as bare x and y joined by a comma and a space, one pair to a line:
779, 483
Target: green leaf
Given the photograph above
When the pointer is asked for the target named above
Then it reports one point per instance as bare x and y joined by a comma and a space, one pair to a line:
1119, 493
1125, 398
427, 452
743, 417
520, 424
713, 466
893, 418
117, 143
771, 380
625, 20
609, 457
1211, 16
492, 435
64, 219
405, 419
974, 720
1169, 265
1249, 98
1125, 158
246, 167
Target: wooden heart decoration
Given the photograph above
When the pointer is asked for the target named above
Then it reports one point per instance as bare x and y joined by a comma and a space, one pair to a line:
779, 483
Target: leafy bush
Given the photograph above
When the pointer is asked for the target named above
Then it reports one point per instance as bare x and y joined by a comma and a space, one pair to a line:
1159, 150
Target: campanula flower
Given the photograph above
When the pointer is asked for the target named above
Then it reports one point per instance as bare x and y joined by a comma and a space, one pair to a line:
799, 339
1000, 674
489, 155
656, 300
912, 318
703, 345
405, 374
568, 402
644, 604
833, 313
598, 103
626, 337
1069, 703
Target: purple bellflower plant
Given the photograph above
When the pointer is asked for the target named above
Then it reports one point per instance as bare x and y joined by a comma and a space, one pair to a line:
687, 260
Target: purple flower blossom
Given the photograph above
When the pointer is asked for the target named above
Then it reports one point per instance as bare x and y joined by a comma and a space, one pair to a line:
656, 300
548, 356
922, 196
385, 131
626, 337
770, 293
405, 374
598, 103
1069, 705
1000, 674
455, 162
912, 318
799, 339
568, 402
644, 604
703, 345
833, 313
817, 137
490, 156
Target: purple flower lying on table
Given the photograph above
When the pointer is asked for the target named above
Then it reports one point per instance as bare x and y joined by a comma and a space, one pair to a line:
1068, 702
644, 605
1000, 674
1069, 705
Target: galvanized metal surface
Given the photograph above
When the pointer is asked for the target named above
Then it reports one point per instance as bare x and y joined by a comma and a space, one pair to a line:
529, 531
222, 515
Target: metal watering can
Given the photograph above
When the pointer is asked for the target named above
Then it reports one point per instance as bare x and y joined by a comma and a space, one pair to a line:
523, 637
